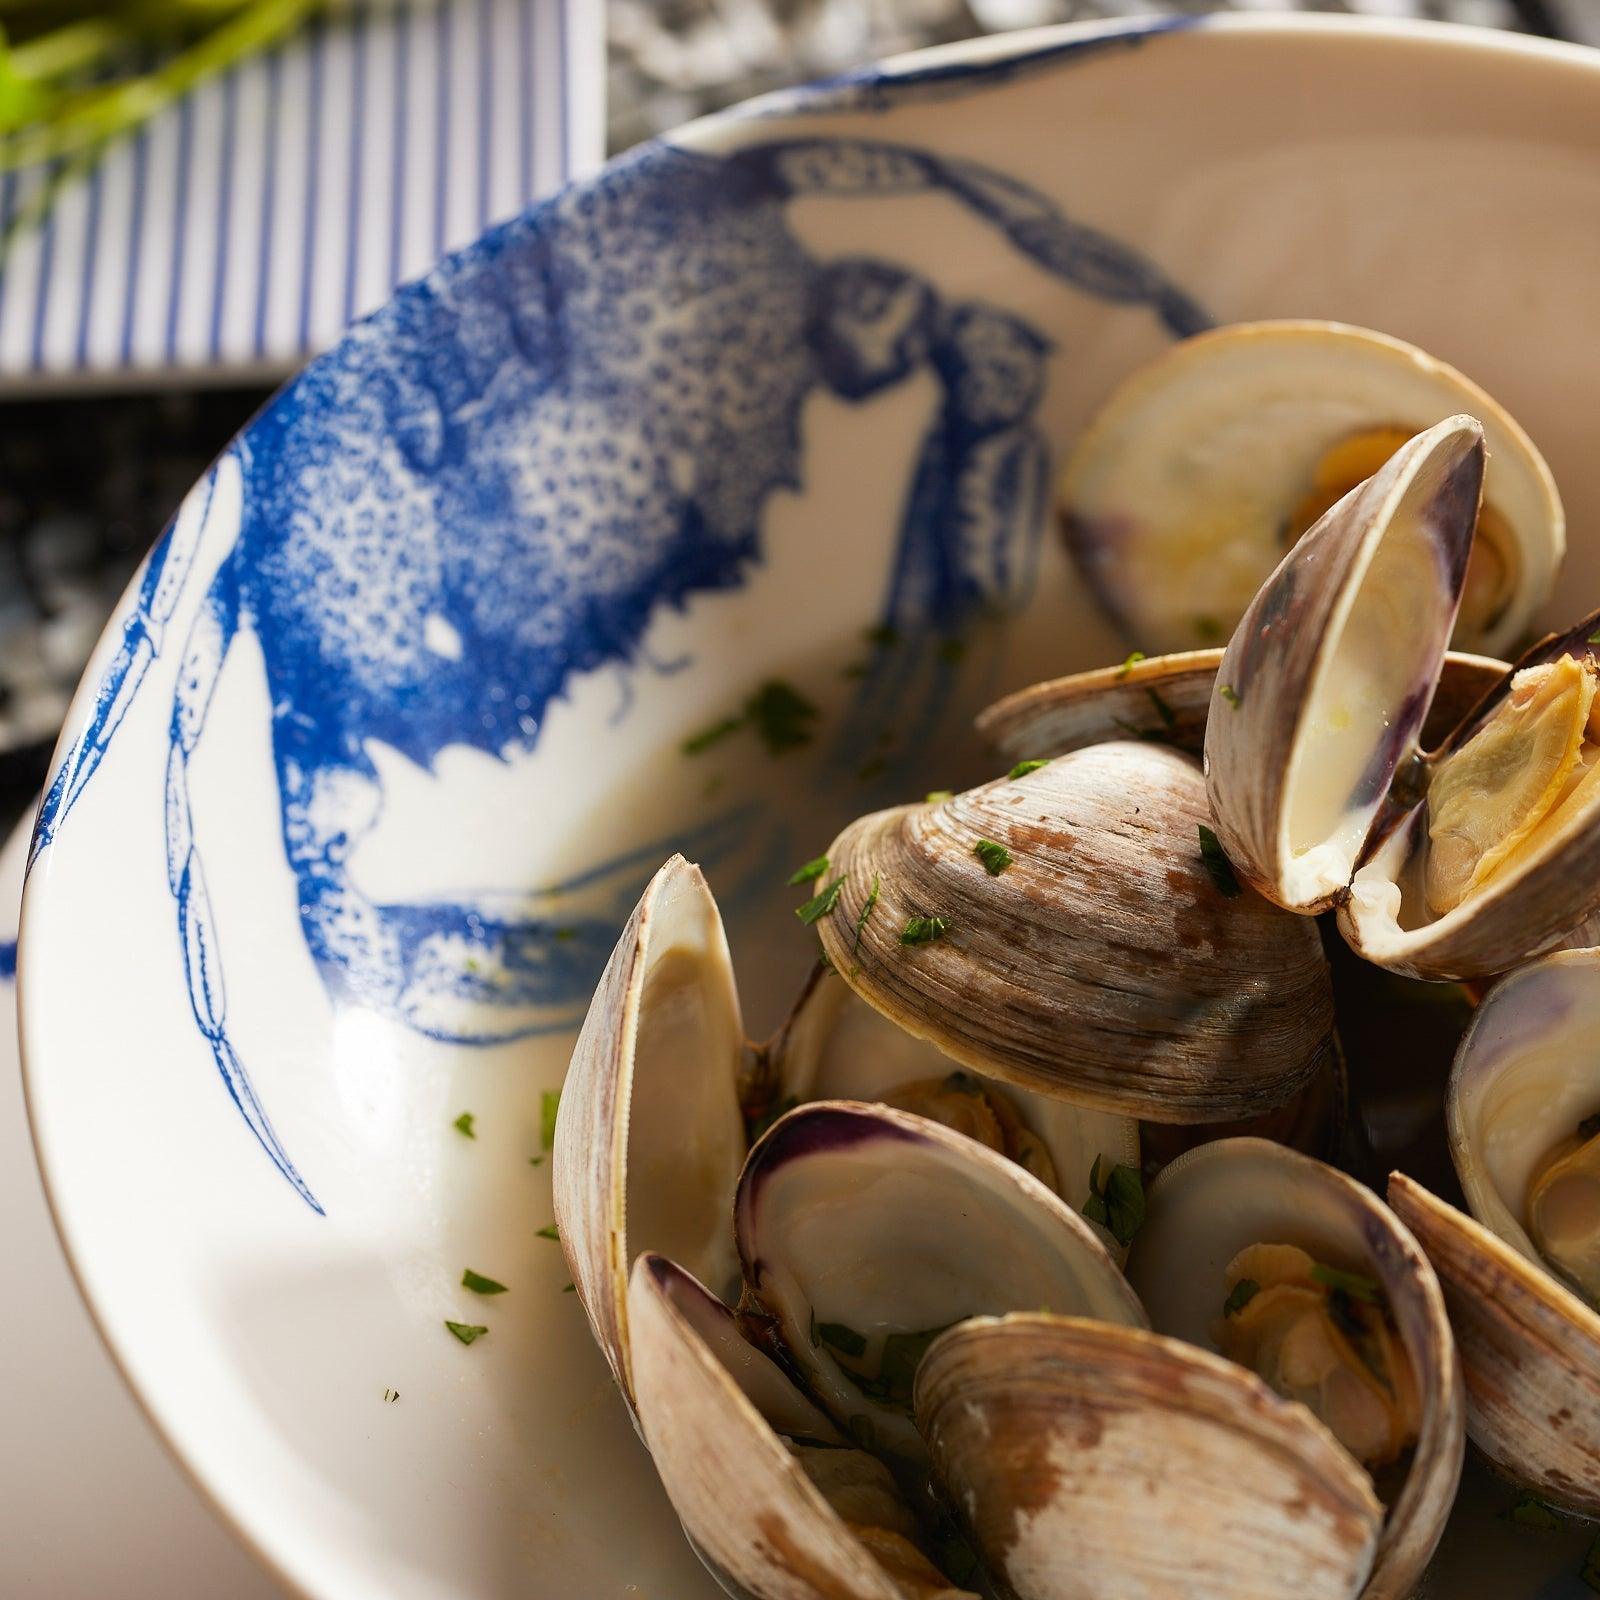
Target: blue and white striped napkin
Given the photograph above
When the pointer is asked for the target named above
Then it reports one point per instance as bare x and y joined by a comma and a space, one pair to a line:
244, 227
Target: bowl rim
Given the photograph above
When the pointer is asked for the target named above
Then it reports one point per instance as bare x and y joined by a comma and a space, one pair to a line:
810, 99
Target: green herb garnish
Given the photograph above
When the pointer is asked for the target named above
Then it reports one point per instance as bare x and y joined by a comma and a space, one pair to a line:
841, 1338
809, 872
478, 1284
549, 1105
463, 1124
549, 1231
1231, 695
820, 905
1208, 628
1355, 1284
1594, 638
1217, 864
1134, 658
1243, 1292
1116, 1200
866, 911
902, 1355
569, 1288
924, 930
935, 796
1169, 718
466, 1332
390, 1396
782, 717
535, 1161
695, 744
963, 1083
1530, 1512
1023, 768
995, 857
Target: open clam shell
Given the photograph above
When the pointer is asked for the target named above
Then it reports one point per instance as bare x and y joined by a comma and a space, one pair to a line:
1205, 465
650, 1138
1217, 1201
712, 1417
834, 1046
1533, 903
1105, 963
1525, 1081
1106, 1463
1330, 673
864, 1231
1167, 699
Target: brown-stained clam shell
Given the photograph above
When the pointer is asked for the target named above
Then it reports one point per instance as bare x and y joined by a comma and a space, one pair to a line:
1216, 1201
1105, 964
1103, 1463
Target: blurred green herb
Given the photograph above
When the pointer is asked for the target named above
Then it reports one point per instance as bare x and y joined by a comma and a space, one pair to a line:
478, 1284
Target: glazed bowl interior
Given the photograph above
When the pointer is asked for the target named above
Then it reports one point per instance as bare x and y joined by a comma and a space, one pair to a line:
570, 558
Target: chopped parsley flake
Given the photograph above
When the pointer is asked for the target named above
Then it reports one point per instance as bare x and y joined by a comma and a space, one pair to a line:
936, 796
463, 1124
810, 871
1169, 718
821, 904
478, 1284
1530, 1512
1244, 1291
924, 930
866, 911
1355, 1284
1231, 695
780, 715
390, 1396
1208, 628
535, 1161
1134, 658
466, 1332
841, 1338
1594, 638
1116, 1200
1217, 864
1023, 768
550, 1231
549, 1105
695, 744
995, 857
569, 1288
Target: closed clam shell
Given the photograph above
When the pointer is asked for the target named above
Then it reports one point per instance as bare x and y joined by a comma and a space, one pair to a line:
1534, 904
1333, 666
1525, 1076
1185, 489
1167, 699
857, 1224
1103, 1463
834, 1046
1104, 964
1215, 1202
650, 1137
749, 1509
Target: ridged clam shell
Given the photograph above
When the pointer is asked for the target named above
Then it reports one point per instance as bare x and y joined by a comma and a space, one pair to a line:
1104, 964
1064, 714
1175, 499
1530, 1350
1103, 1463
749, 1510
1526, 909
1213, 1202
875, 1219
1294, 801
646, 1156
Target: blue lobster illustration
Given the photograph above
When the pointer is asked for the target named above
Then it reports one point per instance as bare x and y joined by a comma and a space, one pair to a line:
491, 486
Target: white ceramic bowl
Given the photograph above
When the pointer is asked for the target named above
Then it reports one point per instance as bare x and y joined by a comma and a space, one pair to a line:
367, 772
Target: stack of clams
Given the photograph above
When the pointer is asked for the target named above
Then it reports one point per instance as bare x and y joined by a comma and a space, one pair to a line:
1020, 1261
